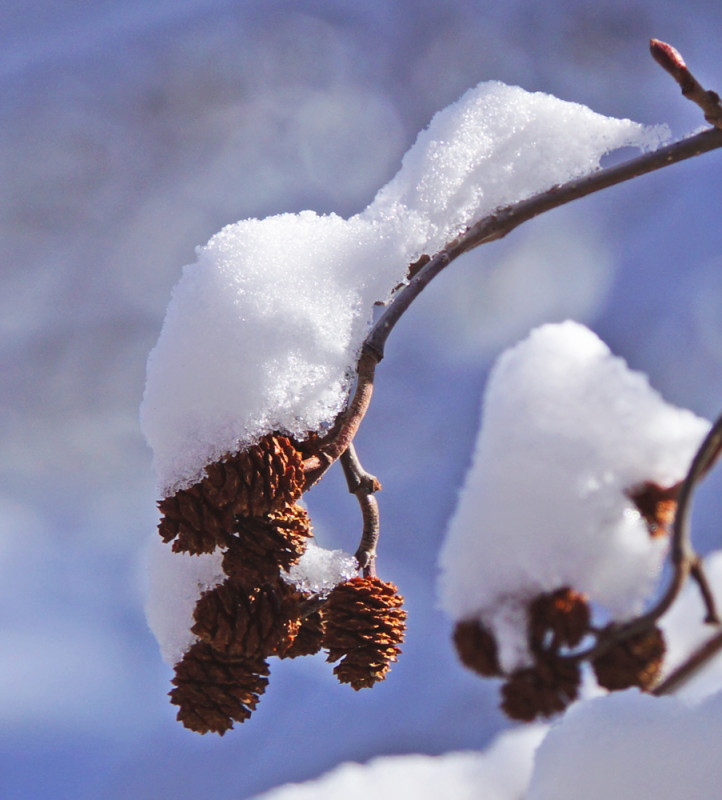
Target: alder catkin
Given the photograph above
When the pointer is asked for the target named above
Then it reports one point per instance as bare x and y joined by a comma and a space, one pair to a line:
364, 627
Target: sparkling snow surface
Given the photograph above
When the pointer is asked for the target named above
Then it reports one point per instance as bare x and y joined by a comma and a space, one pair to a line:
263, 331
566, 428
319, 570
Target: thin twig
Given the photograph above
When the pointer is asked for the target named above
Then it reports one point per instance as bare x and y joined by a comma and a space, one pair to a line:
311, 604
691, 666
670, 59
363, 485
697, 573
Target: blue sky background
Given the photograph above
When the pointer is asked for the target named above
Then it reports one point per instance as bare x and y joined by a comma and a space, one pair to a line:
130, 132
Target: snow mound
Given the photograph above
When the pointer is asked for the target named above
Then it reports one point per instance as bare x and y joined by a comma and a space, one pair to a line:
567, 429
262, 333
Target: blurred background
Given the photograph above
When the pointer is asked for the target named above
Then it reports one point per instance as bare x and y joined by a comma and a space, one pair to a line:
130, 132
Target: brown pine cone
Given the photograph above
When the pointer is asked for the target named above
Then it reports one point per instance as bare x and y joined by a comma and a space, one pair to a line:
213, 690
541, 690
258, 625
364, 627
558, 619
657, 504
309, 638
260, 479
636, 661
476, 648
261, 546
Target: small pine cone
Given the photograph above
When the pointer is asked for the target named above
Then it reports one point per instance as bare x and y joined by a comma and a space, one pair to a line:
364, 627
476, 648
253, 626
213, 690
657, 504
260, 479
636, 661
309, 638
261, 546
558, 619
541, 690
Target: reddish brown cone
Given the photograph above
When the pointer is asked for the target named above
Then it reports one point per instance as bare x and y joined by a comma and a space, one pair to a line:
476, 647
261, 546
657, 504
558, 619
234, 623
213, 690
364, 627
541, 690
262, 479
309, 638
636, 661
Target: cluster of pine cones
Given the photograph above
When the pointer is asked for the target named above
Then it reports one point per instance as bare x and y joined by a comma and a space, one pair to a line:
557, 623
246, 506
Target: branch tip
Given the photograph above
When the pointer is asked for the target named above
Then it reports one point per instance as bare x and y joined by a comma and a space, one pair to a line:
668, 57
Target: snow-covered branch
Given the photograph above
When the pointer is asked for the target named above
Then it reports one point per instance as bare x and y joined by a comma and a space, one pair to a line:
265, 369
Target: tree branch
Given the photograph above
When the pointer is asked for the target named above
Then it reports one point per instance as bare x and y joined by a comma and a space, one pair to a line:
347, 424
497, 225
670, 59
504, 220
691, 666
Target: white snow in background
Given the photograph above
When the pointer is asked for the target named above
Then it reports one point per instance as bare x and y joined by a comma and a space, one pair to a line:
263, 331
176, 582
499, 773
319, 570
629, 746
684, 631
566, 428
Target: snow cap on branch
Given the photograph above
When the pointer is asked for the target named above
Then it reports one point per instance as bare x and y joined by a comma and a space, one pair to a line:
567, 430
263, 332
495, 146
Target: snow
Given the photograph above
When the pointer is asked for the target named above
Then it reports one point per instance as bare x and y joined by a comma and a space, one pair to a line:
500, 773
262, 333
566, 429
629, 745
177, 581
496, 145
319, 570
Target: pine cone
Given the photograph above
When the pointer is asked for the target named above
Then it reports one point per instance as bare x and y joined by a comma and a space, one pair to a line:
476, 647
636, 661
213, 690
541, 690
558, 619
309, 638
261, 479
261, 546
364, 627
657, 504
234, 623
